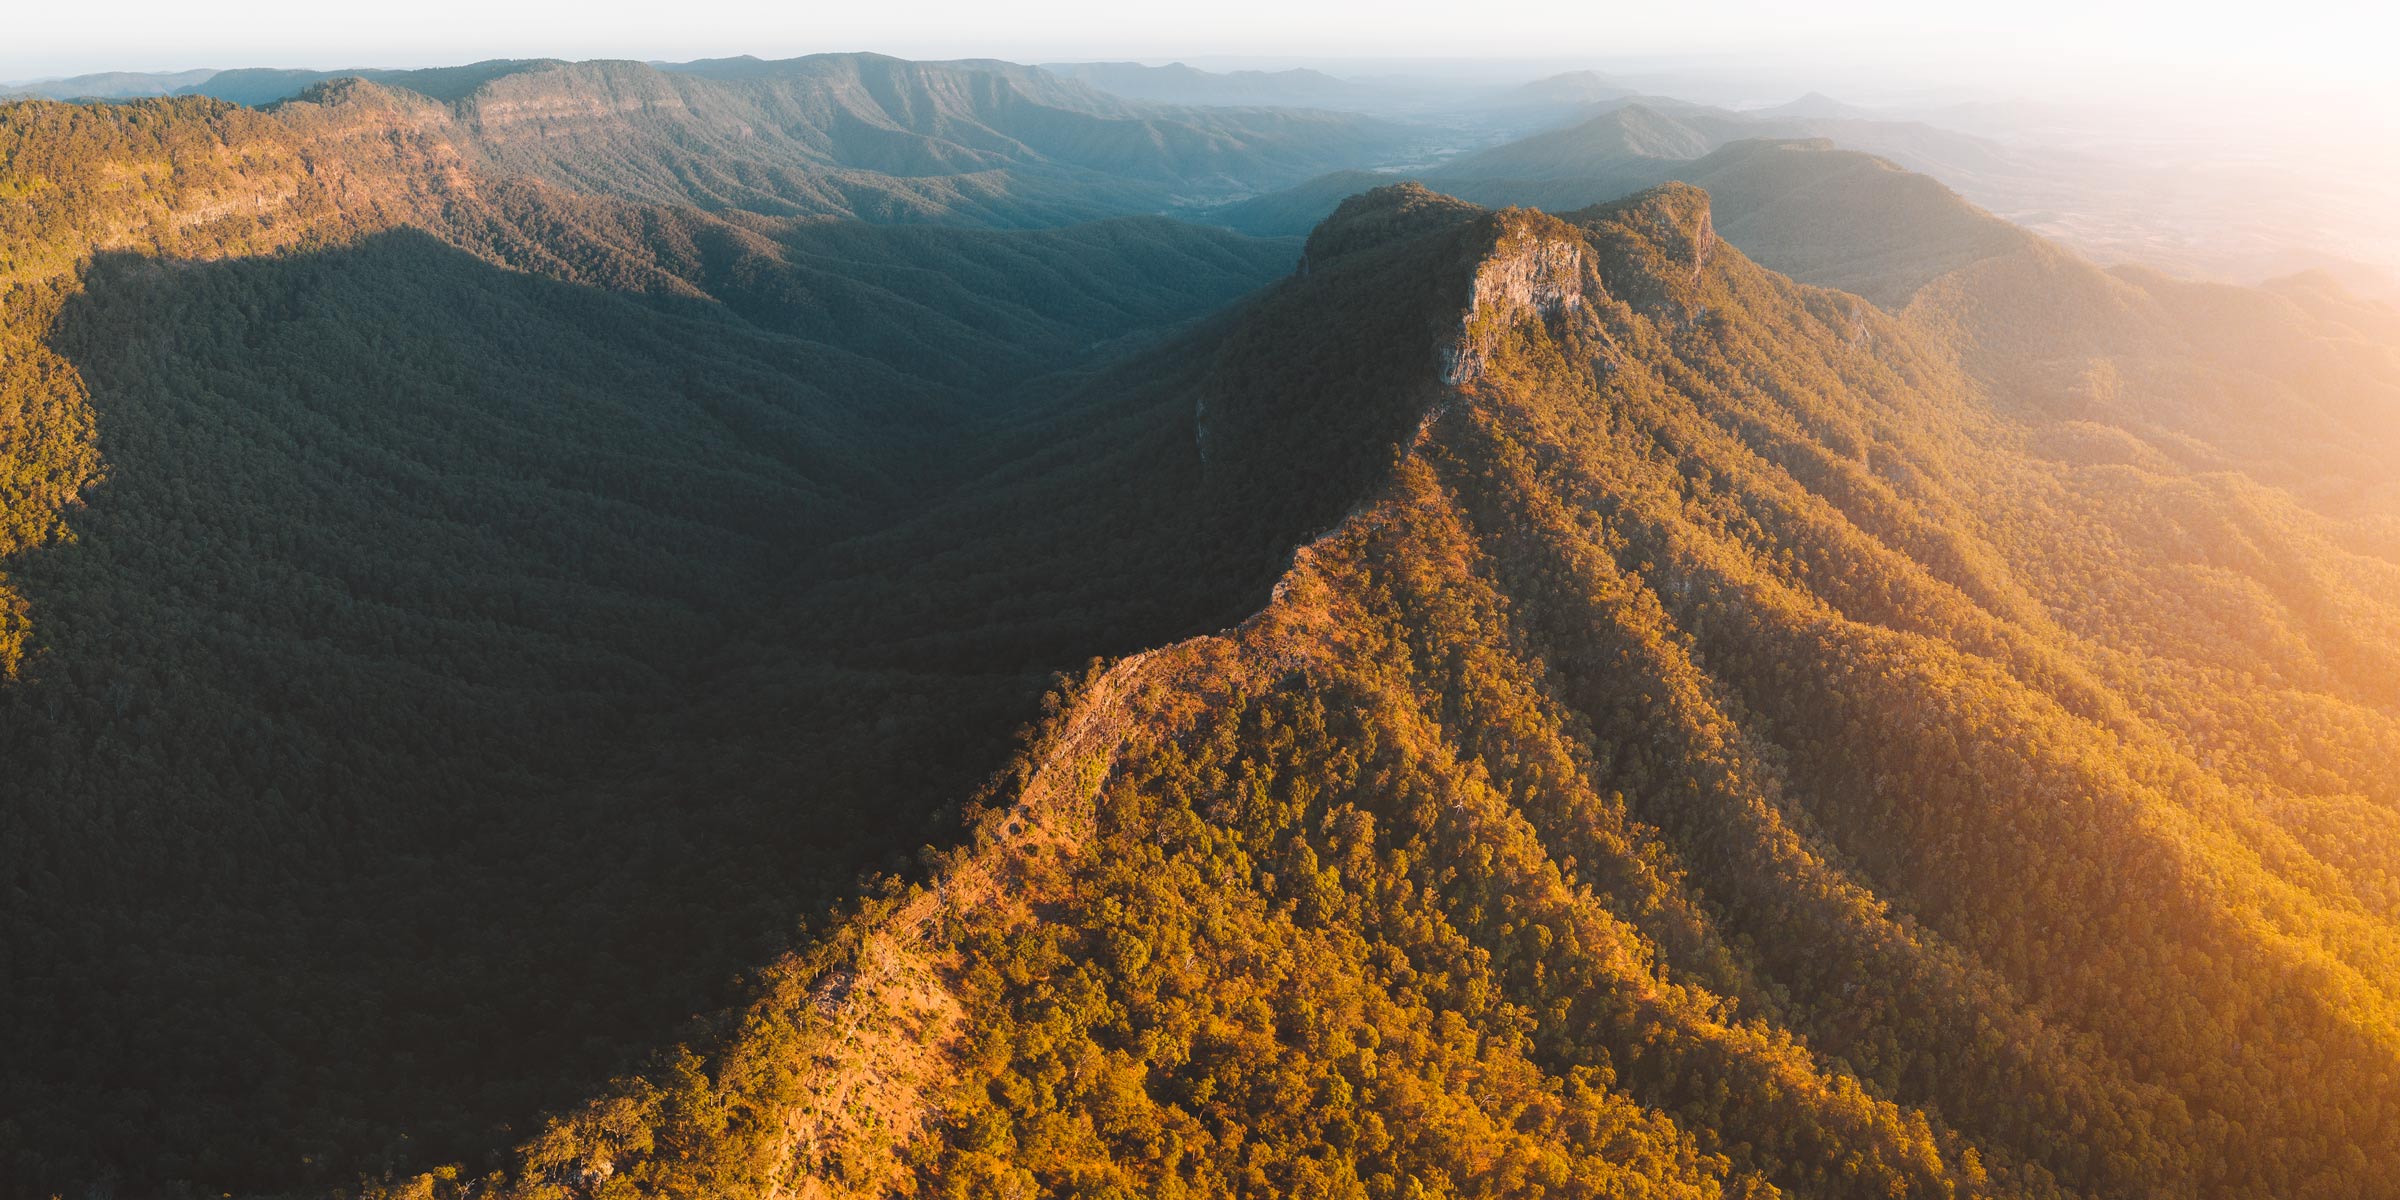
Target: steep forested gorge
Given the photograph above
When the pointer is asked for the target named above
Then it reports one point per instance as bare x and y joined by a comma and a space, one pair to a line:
1570, 710
418, 529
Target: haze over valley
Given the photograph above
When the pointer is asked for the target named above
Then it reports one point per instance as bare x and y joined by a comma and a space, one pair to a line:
2227, 184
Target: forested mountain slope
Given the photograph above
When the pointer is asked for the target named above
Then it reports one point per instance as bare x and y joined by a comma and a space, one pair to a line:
1738, 741
388, 762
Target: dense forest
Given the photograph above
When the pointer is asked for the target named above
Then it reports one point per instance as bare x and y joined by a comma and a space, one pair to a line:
527, 681
1736, 748
416, 567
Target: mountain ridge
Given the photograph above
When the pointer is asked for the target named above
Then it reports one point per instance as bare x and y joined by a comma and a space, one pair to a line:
1822, 972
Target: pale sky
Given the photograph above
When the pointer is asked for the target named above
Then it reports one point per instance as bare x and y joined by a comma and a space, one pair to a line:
2203, 46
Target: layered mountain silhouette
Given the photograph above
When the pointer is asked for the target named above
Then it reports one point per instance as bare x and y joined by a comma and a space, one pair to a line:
1177, 83
1834, 217
2221, 222
1815, 106
2211, 216
1569, 89
540, 665
845, 135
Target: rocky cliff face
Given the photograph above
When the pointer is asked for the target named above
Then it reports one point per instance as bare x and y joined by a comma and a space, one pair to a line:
1537, 268
554, 101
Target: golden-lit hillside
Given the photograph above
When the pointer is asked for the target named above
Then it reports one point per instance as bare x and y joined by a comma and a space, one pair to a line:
1734, 748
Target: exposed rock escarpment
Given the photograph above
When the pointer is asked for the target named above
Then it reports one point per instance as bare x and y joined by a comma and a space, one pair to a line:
1536, 268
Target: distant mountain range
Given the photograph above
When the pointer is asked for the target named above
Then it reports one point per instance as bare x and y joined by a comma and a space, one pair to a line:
860, 136
2200, 220
1599, 149
1815, 106
1172, 84
1827, 216
111, 85
1176, 83
1569, 89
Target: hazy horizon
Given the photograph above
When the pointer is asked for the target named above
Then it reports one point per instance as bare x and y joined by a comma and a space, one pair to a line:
1878, 48
2295, 110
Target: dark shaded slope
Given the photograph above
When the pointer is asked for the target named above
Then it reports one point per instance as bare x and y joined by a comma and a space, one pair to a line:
384, 765
1163, 492
368, 638
979, 308
394, 546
